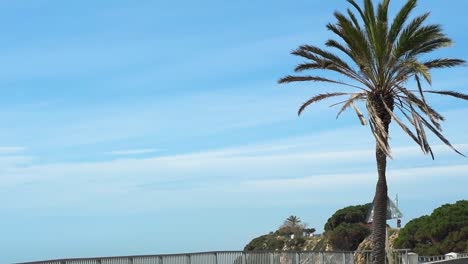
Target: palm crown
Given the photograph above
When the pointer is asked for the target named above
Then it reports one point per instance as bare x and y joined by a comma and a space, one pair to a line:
292, 220
384, 58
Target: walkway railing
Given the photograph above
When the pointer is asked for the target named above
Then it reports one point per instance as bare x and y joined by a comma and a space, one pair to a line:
426, 259
398, 256
442, 258
238, 257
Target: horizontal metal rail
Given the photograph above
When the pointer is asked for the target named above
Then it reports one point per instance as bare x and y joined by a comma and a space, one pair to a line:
440, 258
236, 257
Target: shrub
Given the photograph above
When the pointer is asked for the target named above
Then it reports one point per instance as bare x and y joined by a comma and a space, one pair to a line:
348, 236
347, 228
265, 242
444, 231
350, 214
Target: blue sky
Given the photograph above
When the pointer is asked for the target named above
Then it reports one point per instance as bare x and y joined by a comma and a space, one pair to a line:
145, 127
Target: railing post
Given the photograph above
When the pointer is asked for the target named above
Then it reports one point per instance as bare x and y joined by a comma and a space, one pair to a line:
216, 257
244, 258
189, 259
130, 259
161, 261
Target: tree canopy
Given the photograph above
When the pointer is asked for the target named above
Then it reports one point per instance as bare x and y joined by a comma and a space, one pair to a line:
349, 214
442, 232
347, 227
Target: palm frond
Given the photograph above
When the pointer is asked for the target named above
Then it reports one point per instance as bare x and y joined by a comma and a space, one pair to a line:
359, 114
400, 20
404, 127
443, 63
422, 69
326, 61
377, 127
354, 19
325, 54
306, 54
382, 57
348, 103
357, 43
421, 93
412, 38
317, 98
312, 66
335, 44
291, 78
380, 141
321, 57
383, 11
358, 8
421, 133
450, 93
370, 16
438, 134
430, 45
425, 108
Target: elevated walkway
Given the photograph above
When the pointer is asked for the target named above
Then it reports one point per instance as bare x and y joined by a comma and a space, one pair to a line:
238, 257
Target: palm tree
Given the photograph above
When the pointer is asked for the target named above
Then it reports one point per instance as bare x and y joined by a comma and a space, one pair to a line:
378, 59
292, 221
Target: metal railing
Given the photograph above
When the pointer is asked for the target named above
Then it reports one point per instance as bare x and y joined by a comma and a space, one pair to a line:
399, 256
426, 259
239, 257
440, 258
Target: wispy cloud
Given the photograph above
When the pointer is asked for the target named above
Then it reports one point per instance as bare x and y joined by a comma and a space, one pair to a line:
285, 166
9, 162
274, 159
210, 113
9, 150
132, 151
328, 181
339, 160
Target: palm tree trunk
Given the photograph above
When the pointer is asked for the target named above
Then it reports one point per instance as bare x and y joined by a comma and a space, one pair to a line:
379, 223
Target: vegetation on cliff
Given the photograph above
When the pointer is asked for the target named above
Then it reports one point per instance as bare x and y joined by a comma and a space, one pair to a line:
291, 235
444, 231
347, 228
344, 230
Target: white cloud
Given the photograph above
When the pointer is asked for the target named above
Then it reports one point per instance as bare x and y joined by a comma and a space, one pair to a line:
333, 181
132, 151
327, 161
9, 150
275, 159
13, 161
163, 119
285, 166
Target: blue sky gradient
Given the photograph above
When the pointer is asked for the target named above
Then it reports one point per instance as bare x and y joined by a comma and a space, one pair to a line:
146, 127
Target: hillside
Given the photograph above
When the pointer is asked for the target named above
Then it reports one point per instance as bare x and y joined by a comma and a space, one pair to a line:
444, 231
344, 230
